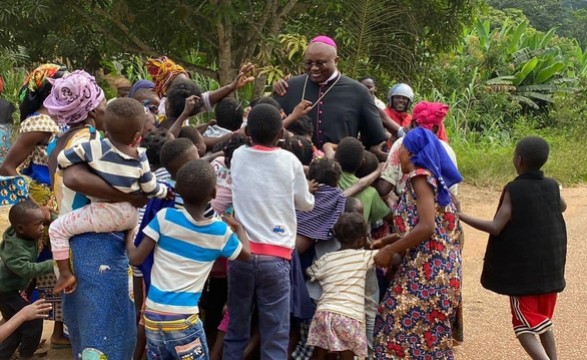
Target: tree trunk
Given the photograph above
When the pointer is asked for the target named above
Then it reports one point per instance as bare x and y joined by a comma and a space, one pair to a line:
226, 68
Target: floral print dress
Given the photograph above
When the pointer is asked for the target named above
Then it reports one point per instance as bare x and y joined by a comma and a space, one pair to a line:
414, 319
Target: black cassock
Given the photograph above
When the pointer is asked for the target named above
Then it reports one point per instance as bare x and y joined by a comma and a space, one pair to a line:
347, 109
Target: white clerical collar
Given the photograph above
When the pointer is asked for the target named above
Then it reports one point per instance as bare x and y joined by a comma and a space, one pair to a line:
332, 77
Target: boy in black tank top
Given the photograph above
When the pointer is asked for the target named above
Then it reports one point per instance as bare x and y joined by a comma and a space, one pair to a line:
527, 248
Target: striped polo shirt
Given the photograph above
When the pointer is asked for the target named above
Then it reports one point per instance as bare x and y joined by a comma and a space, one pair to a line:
184, 254
125, 173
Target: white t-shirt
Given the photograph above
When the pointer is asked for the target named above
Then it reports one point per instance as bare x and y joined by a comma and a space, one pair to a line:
268, 185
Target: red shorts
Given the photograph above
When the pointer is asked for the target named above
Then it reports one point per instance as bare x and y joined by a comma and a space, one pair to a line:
532, 314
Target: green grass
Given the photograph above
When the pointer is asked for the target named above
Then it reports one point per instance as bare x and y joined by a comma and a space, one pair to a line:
486, 163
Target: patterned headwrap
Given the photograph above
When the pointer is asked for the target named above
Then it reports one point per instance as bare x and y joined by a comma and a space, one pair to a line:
324, 40
427, 114
37, 78
163, 71
73, 97
141, 84
429, 153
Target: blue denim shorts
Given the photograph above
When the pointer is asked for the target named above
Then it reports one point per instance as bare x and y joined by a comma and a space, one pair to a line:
189, 342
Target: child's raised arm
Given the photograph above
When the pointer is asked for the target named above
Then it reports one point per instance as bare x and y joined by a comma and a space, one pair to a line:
364, 182
137, 255
238, 228
495, 226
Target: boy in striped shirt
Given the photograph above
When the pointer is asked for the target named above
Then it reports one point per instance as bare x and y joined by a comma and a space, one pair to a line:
120, 162
186, 245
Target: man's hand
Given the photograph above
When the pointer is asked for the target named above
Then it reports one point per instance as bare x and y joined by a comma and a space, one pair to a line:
281, 86
244, 76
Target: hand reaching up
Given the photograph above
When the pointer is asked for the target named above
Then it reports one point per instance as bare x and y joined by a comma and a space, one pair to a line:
192, 105
245, 76
301, 109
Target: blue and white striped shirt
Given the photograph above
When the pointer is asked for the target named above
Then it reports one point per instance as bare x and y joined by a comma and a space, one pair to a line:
185, 252
123, 172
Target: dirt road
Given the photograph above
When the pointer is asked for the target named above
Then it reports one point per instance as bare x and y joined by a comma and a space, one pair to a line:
488, 331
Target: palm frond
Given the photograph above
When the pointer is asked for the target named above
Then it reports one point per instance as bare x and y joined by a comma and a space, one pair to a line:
383, 30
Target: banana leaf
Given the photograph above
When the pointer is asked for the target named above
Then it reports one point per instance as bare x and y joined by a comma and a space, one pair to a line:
547, 73
525, 71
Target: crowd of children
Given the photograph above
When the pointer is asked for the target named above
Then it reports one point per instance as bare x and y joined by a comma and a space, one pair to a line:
255, 243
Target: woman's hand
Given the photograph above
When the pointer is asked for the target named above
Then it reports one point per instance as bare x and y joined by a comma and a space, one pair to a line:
386, 240
383, 258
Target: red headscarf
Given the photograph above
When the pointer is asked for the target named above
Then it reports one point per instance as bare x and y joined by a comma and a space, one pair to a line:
427, 114
1, 85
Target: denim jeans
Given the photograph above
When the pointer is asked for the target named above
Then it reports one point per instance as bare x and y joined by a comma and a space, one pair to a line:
262, 281
169, 345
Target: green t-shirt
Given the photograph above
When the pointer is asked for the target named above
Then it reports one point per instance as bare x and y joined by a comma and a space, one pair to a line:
374, 208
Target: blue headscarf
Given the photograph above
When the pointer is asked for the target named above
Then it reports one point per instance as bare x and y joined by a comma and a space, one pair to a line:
141, 84
429, 153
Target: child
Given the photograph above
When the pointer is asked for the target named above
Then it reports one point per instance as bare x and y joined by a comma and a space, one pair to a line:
527, 248
18, 267
119, 161
339, 322
301, 147
186, 244
268, 186
223, 200
229, 118
350, 155
171, 156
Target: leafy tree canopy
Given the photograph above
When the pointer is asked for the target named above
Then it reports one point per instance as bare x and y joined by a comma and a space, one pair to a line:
213, 37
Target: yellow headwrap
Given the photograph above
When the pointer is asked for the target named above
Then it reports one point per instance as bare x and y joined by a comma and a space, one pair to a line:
163, 71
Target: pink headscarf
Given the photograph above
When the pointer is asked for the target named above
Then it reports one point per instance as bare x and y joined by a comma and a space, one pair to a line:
324, 40
73, 97
427, 114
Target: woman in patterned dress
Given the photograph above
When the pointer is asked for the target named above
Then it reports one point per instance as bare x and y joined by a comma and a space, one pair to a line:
415, 316
28, 156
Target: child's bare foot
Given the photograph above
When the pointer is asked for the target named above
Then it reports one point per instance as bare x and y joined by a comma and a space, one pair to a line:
65, 282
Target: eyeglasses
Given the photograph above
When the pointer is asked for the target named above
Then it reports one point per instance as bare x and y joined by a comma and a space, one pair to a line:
319, 63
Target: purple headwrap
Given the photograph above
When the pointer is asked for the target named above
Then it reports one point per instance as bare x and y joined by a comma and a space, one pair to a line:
141, 84
73, 97
324, 40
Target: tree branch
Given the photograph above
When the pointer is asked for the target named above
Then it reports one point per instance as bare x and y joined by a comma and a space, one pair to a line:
145, 49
